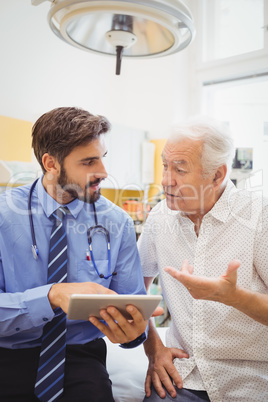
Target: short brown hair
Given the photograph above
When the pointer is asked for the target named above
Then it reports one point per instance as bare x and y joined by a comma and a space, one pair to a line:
62, 129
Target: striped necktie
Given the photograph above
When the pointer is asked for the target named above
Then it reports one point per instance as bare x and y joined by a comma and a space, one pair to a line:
50, 374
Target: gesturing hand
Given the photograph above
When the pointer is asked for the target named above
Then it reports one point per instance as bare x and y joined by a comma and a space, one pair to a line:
222, 289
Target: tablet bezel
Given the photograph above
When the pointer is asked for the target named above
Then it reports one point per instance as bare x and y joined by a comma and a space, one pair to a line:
82, 306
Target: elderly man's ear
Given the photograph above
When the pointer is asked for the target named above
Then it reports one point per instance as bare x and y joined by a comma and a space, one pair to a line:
219, 176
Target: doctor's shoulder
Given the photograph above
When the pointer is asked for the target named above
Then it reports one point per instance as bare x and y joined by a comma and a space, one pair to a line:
13, 203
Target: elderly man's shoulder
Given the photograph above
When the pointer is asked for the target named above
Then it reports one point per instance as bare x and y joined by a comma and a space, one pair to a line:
249, 205
245, 197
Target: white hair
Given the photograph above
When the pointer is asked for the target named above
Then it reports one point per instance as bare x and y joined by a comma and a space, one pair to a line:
218, 148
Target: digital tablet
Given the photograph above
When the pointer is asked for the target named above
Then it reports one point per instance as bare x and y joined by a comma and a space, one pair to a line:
82, 306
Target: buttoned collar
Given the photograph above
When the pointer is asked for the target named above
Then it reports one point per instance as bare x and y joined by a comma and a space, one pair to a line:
221, 208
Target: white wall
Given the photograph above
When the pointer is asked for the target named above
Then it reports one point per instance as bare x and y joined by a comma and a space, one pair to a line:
39, 72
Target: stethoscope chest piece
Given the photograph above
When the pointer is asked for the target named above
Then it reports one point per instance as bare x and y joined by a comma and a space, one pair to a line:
35, 252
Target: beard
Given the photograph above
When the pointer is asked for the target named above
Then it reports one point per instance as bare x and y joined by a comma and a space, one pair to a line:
75, 191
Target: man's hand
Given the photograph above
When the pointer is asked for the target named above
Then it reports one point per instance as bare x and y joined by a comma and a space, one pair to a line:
222, 289
60, 293
118, 328
158, 311
162, 372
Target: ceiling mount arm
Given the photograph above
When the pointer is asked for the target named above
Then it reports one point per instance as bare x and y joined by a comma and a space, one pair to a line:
119, 54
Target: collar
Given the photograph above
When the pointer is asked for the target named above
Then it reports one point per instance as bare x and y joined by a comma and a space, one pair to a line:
221, 209
50, 205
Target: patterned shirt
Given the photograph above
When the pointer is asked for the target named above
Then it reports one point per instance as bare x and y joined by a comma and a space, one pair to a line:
228, 353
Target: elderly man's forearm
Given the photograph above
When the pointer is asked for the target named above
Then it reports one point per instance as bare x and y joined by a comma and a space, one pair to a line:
253, 304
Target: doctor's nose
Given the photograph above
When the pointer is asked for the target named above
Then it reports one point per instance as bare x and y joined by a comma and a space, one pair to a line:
101, 172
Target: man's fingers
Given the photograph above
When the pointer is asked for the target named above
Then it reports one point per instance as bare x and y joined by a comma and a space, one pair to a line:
135, 314
185, 278
233, 266
102, 327
117, 328
186, 267
157, 382
111, 329
131, 328
173, 272
179, 353
165, 374
172, 371
186, 271
147, 386
166, 382
158, 311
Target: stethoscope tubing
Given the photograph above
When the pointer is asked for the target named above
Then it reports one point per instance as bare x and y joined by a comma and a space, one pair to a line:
90, 233
35, 250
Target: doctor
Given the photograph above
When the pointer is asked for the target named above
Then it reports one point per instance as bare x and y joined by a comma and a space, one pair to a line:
62, 206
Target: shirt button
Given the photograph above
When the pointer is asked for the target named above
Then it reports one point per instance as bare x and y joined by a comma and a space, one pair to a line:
45, 319
17, 329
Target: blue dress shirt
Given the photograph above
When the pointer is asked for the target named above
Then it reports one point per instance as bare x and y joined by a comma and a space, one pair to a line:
24, 305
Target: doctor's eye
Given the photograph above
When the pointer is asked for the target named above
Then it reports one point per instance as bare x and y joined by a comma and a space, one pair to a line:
88, 163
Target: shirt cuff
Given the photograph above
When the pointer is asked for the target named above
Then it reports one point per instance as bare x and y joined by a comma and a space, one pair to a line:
37, 303
133, 344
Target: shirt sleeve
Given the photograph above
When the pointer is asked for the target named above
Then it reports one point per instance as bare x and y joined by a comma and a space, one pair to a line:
261, 247
21, 311
129, 279
147, 250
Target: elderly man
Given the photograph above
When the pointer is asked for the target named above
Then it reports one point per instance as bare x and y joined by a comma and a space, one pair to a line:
196, 239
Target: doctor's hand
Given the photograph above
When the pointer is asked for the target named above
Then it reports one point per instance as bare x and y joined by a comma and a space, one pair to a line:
222, 289
118, 328
60, 293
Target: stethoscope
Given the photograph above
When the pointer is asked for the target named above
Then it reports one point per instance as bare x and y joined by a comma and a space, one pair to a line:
97, 228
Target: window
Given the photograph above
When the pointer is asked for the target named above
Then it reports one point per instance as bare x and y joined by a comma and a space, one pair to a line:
233, 27
244, 105
230, 78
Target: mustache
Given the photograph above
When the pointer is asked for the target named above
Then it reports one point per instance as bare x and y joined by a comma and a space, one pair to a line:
93, 183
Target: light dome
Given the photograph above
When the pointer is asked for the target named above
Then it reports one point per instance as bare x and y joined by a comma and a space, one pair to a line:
134, 28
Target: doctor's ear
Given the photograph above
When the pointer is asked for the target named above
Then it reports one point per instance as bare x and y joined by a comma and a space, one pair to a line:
50, 164
220, 175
